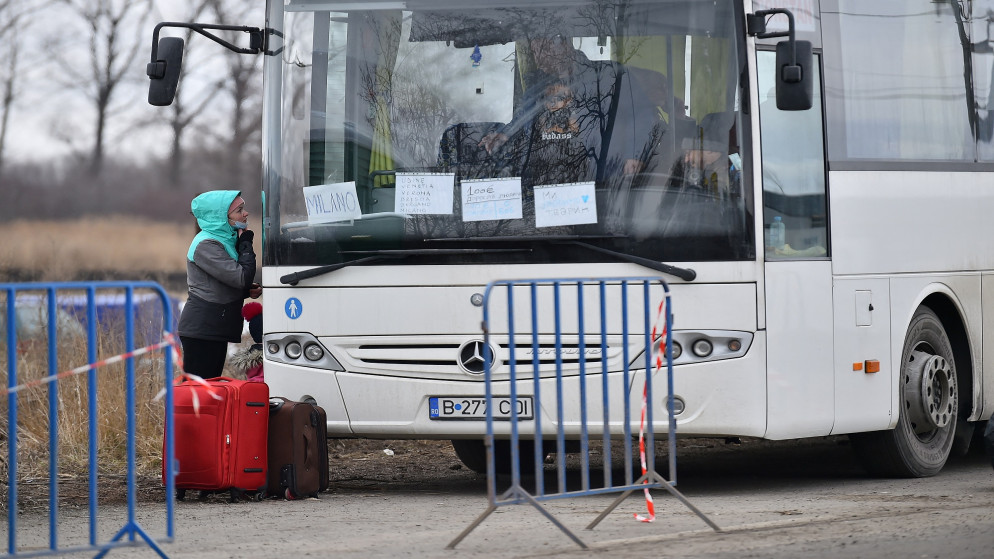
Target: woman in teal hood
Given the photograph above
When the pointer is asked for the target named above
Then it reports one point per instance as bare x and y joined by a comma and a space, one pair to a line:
220, 267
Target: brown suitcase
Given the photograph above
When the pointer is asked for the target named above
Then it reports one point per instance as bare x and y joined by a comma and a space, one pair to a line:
298, 449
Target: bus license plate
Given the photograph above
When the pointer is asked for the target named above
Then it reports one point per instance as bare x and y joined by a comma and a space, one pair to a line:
473, 407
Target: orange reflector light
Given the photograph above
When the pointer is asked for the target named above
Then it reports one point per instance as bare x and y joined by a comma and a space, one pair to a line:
872, 366
857, 366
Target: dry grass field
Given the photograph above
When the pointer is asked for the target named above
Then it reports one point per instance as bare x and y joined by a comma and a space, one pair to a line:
117, 248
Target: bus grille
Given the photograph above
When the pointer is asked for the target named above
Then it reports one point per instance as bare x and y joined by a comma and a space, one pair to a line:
448, 359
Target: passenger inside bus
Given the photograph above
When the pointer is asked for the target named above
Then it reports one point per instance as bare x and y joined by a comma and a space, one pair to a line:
700, 194
578, 119
709, 160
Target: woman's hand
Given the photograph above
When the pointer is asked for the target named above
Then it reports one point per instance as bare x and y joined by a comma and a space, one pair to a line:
255, 291
244, 242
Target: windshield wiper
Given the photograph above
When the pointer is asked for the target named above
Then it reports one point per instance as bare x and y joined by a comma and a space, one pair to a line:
295, 277
685, 274
377, 255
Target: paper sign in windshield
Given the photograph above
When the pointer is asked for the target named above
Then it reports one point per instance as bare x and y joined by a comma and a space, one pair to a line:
490, 199
332, 202
565, 204
425, 193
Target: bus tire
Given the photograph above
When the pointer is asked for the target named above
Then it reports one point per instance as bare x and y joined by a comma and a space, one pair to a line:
926, 427
473, 454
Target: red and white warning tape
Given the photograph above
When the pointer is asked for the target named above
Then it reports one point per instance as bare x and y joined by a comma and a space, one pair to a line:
658, 361
177, 354
193, 394
117, 358
169, 341
178, 357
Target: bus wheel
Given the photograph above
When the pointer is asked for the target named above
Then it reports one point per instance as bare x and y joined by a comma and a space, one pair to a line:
926, 426
473, 454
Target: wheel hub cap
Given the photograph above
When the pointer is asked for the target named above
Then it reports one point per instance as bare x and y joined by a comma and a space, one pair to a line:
929, 392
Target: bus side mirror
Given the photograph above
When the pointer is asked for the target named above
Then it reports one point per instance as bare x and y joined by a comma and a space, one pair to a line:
164, 71
794, 81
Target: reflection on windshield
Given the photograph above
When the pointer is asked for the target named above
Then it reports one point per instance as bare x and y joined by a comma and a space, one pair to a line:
617, 121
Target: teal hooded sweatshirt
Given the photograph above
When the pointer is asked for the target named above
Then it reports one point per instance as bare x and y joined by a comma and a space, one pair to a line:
211, 211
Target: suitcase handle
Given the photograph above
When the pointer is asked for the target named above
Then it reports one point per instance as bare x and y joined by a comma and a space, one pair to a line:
182, 379
276, 402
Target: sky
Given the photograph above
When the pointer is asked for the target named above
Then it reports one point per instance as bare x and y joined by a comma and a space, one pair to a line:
50, 119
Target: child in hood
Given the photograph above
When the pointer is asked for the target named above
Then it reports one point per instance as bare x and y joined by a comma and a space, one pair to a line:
249, 361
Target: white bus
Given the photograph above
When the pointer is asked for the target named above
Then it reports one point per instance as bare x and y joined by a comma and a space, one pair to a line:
831, 267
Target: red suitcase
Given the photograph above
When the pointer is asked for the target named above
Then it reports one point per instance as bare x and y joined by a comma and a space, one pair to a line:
221, 443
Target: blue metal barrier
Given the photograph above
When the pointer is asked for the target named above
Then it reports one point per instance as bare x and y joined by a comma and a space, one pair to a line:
612, 332
63, 307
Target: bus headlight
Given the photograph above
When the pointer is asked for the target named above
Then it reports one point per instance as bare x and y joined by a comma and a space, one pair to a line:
702, 347
313, 352
300, 349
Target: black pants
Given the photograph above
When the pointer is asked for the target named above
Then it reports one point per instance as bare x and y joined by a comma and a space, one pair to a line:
204, 358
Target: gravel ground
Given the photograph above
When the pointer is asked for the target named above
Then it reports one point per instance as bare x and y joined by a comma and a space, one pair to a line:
355, 464
771, 499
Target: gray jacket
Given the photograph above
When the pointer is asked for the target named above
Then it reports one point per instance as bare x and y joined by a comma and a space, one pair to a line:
218, 287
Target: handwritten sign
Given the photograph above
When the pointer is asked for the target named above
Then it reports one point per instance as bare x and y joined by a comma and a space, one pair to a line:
332, 202
489, 199
425, 193
565, 204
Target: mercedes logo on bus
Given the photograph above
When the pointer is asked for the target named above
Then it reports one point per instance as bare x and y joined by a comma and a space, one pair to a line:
471, 356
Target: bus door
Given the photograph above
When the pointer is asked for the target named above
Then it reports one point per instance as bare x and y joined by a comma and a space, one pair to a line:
798, 271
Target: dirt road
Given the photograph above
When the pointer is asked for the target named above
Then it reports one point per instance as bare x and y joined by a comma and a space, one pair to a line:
807, 498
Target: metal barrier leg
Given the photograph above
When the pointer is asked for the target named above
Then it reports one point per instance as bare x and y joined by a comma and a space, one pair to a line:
667, 486
479, 519
614, 504
553, 519
516, 492
132, 530
650, 478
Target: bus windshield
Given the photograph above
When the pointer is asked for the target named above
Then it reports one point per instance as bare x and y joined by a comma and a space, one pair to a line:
438, 126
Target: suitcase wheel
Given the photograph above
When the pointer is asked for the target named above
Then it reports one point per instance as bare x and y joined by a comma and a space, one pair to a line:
180, 494
289, 495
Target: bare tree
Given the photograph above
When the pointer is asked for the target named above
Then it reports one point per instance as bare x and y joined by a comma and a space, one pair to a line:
243, 84
115, 32
14, 16
194, 96
8, 84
